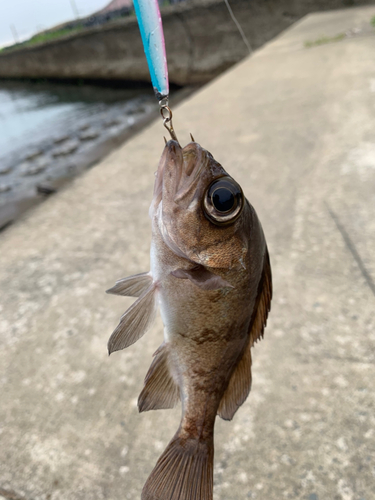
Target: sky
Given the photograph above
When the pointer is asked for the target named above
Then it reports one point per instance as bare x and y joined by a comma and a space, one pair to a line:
30, 16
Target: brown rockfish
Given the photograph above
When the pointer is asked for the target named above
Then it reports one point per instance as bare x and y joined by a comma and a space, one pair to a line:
211, 276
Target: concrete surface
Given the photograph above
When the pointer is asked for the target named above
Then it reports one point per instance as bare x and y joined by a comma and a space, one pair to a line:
201, 37
296, 128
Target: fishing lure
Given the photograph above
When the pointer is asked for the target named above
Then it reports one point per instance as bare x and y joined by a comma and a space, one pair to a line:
151, 28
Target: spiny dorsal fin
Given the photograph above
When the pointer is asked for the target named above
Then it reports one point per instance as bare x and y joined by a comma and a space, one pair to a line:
240, 383
160, 390
132, 286
183, 472
135, 321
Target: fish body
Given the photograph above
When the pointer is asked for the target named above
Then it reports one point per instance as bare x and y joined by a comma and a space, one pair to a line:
210, 275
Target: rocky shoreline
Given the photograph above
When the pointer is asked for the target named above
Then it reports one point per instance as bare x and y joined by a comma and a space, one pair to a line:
30, 175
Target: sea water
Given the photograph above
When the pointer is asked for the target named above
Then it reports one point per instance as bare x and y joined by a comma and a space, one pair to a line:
48, 129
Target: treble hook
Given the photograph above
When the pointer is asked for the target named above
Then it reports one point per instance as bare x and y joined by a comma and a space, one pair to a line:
166, 114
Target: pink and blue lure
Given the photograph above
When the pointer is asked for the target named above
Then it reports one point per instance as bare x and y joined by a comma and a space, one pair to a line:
151, 28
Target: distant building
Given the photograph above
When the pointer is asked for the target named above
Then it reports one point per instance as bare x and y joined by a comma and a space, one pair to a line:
120, 4
115, 5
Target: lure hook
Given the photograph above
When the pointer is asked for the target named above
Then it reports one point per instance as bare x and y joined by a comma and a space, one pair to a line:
166, 114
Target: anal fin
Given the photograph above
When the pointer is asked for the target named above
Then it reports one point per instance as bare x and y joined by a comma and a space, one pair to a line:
132, 286
135, 321
238, 388
160, 390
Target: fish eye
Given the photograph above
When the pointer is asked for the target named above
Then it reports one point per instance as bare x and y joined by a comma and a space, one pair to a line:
223, 201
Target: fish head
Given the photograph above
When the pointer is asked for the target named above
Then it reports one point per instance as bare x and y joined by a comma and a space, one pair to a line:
199, 209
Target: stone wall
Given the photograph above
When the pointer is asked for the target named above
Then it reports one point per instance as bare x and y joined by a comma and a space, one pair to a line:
201, 41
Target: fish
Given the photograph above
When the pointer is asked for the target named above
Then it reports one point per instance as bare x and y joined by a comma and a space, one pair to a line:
210, 275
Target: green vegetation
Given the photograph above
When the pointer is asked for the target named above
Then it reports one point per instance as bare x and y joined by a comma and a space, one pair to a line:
373, 21
43, 37
51, 35
324, 39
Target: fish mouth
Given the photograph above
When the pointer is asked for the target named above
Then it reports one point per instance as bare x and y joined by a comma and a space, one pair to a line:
170, 152
193, 166
177, 188
178, 174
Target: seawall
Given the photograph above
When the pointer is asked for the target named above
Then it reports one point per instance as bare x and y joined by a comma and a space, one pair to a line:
202, 41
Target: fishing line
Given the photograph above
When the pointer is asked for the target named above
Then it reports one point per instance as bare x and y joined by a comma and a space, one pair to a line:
244, 38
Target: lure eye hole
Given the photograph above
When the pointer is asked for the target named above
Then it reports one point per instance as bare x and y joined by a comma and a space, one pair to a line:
223, 201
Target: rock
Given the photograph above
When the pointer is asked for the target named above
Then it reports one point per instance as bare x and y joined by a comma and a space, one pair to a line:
111, 123
46, 190
66, 149
115, 130
33, 154
34, 168
5, 187
61, 139
89, 135
3, 171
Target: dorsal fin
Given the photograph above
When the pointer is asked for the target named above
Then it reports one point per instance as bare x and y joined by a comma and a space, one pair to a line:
160, 390
240, 383
264, 302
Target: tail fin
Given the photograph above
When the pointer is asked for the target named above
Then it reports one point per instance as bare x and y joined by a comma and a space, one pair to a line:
183, 472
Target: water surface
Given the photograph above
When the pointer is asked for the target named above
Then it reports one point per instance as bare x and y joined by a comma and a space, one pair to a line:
49, 131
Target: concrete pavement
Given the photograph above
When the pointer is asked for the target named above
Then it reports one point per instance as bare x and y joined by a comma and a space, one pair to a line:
295, 127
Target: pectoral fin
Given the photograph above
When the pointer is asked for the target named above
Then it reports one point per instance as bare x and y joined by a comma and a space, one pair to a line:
160, 390
135, 321
132, 286
202, 278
